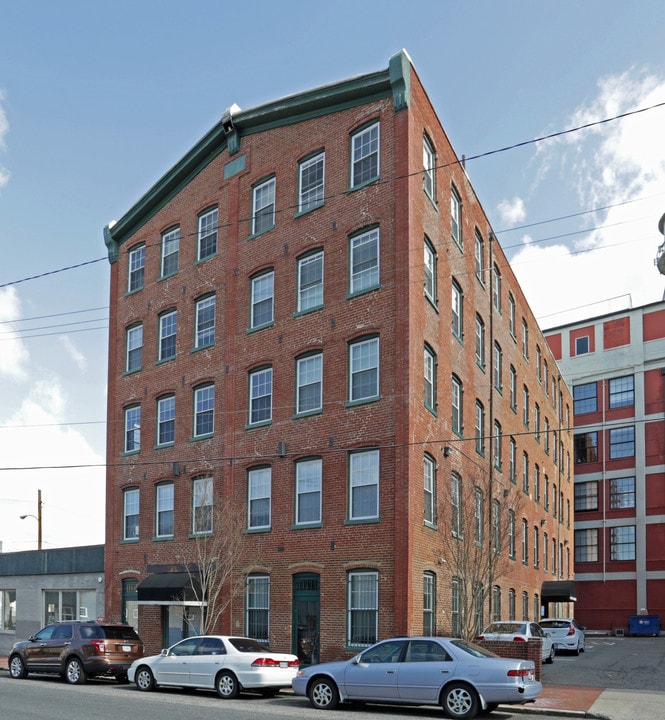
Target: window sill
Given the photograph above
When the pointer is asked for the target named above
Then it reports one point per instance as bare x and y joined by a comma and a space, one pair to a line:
362, 401
308, 210
251, 330
362, 521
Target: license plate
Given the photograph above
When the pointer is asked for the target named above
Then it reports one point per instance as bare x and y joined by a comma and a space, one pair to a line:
283, 664
126, 648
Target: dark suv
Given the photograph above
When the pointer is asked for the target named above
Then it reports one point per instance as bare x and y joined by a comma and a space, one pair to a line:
77, 650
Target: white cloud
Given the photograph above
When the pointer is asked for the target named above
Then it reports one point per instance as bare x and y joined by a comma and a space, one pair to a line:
13, 353
512, 211
4, 129
620, 166
74, 353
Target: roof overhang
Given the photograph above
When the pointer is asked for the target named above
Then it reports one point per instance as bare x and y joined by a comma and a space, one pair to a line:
558, 591
169, 588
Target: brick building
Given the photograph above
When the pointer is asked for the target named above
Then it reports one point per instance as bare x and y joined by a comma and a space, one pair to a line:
615, 365
312, 323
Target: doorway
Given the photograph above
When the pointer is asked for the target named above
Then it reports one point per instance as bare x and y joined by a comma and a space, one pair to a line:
306, 617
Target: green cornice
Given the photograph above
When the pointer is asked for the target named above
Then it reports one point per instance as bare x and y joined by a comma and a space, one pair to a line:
228, 132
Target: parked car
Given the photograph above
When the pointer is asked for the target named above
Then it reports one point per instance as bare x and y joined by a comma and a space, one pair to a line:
462, 677
520, 632
217, 662
566, 634
77, 650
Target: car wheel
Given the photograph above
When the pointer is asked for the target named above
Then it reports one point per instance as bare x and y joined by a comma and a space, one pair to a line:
144, 679
549, 660
75, 673
227, 685
577, 649
323, 694
491, 707
17, 668
122, 678
459, 700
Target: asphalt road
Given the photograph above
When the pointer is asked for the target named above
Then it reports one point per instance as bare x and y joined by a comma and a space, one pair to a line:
630, 663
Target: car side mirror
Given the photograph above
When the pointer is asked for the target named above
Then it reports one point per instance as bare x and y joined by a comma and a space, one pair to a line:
164, 652
548, 634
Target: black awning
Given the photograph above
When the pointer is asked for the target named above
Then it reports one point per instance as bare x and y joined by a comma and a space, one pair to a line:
558, 591
168, 587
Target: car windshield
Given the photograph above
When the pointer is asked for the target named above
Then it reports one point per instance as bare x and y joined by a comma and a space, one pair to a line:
510, 628
473, 649
247, 645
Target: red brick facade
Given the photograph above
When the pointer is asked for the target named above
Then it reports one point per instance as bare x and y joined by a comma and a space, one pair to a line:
371, 518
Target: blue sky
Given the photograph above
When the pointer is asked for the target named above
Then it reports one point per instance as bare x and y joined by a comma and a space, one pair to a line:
99, 100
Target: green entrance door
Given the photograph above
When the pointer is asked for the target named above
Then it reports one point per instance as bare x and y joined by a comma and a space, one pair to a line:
306, 612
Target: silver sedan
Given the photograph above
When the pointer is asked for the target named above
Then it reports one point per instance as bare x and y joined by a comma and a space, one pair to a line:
463, 678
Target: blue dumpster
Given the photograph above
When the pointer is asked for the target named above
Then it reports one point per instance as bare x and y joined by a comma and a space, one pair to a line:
644, 625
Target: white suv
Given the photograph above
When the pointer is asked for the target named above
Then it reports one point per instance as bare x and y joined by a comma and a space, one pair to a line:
566, 633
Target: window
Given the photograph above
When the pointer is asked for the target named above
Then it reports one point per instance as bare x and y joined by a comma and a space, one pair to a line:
263, 207
525, 400
8, 610
511, 534
511, 604
430, 272
455, 605
622, 392
365, 155
584, 398
364, 261
134, 348
429, 604
546, 552
622, 442
457, 308
513, 388
164, 510
132, 429
525, 339
259, 482
539, 364
496, 603
363, 608
364, 485
546, 493
496, 288
257, 608
202, 506
429, 168
130, 514
478, 517
536, 421
429, 370
511, 314
554, 500
204, 410
309, 384
66, 605
498, 434
312, 179
512, 470
586, 496
546, 434
262, 301
622, 493
622, 543
496, 526
525, 472
456, 216
136, 269
582, 345
536, 482
429, 473
170, 252
207, 239
480, 342
536, 548
525, 542
546, 377
168, 327
480, 256
310, 282
204, 329
364, 370
498, 367
456, 526
260, 396
309, 475
525, 605
166, 420
456, 390
480, 428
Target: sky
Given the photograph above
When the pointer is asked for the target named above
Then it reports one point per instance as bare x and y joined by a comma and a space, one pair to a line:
99, 100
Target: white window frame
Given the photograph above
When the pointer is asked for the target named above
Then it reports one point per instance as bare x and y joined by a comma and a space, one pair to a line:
257, 607
165, 510
429, 261
170, 252
202, 505
132, 425
259, 495
480, 342
457, 304
204, 410
429, 372
134, 348
429, 484
310, 282
479, 256
131, 499
168, 335
136, 268
166, 420
262, 297
263, 206
364, 362
364, 261
260, 389
204, 319
429, 168
311, 182
457, 402
364, 485
206, 245
456, 216
365, 155
309, 384
363, 608
309, 484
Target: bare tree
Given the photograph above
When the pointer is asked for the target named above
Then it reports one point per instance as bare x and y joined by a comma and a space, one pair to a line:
479, 534
213, 558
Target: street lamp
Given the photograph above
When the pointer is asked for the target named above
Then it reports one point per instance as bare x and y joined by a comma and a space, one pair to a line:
38, 518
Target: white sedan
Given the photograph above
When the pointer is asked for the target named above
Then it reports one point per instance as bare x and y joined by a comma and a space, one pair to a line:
223, 663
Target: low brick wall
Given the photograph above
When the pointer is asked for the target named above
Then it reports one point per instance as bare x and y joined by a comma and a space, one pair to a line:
530, 650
